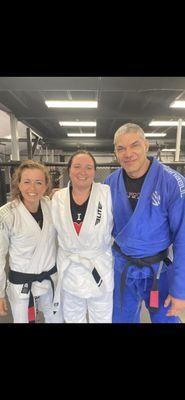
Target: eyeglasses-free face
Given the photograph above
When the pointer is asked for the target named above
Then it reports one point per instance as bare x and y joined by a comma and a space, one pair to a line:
82, 171
32, 187
131, 152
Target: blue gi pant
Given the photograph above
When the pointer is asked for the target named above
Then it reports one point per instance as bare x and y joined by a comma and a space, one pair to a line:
136, 290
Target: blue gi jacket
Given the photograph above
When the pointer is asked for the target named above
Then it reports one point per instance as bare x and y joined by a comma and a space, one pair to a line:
157, 221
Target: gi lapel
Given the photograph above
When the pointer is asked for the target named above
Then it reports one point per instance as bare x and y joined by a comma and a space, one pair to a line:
128, 221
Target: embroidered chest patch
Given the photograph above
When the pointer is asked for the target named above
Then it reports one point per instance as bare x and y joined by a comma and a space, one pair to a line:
156, 198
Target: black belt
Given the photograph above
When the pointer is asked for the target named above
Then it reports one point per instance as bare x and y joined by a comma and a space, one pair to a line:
143, 262
27, 280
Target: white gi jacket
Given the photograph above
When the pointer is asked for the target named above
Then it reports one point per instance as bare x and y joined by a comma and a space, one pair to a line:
31, 250
79, 254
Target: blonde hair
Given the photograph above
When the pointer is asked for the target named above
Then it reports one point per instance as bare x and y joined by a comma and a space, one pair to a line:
16, 178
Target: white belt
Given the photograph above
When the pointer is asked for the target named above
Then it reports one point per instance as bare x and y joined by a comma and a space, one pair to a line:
87, 262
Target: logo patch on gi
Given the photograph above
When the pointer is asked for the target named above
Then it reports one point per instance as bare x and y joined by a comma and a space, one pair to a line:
99, 213
156, 198
25, 288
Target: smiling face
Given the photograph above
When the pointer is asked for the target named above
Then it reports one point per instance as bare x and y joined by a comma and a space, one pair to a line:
131, 152
32, 187
82, 172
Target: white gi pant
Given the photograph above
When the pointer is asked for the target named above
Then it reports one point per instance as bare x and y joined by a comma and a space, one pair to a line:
99, 309
19, 306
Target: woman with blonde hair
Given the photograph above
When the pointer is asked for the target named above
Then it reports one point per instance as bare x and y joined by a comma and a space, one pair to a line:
28, 235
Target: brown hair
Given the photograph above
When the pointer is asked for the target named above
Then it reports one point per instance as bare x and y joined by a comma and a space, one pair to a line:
76, 154
16, 178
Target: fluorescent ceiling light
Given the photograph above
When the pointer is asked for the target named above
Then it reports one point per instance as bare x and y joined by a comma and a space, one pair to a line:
77, 123
178, 104
81, 134
6, 137
168, 149
71, 104
165, 123
155, 134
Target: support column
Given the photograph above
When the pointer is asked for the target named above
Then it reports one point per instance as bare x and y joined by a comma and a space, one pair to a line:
52, 156
29, 143
178, 140
14, 138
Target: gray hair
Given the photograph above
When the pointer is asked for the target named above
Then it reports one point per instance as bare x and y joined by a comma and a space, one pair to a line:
128, 128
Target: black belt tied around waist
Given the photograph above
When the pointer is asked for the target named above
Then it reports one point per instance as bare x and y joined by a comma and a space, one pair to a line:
26, 279
144, 262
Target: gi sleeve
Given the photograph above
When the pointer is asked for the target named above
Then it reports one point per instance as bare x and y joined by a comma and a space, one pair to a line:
4, 245
177, 228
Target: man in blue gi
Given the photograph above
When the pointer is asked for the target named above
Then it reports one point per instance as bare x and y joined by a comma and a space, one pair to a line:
149, 218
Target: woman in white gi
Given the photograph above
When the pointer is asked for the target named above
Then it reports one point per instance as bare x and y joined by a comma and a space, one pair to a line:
83, 219
28, 235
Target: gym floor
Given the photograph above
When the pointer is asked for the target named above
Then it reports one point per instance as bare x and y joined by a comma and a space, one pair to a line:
144, 316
